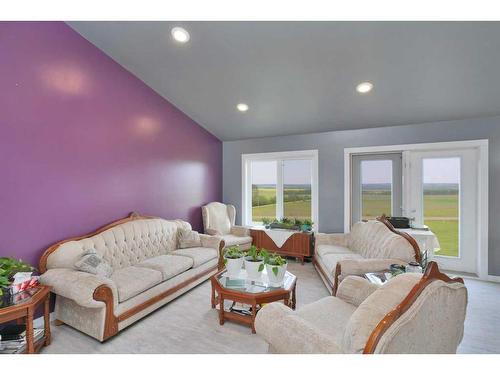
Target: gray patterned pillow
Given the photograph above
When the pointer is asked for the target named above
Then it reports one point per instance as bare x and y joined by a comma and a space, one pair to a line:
189, 238
91, 262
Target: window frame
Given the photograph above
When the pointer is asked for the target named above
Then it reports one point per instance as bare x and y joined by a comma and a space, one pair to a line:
279, 157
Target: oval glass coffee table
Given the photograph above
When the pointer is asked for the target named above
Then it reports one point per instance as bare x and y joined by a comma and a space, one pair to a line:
246, 296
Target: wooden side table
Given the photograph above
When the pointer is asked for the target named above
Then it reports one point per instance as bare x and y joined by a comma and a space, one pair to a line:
299, 245
25, 311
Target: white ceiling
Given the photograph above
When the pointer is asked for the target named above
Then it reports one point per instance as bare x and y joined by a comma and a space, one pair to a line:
300, 77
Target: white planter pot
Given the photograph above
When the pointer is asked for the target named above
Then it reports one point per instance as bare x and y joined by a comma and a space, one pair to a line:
233, 266
253, 269
276, 279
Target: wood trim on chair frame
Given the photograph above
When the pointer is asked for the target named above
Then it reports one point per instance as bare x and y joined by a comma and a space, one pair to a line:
104, 293
431, 274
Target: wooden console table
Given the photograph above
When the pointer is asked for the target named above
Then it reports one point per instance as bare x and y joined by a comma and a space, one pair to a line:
25, 311
299, 245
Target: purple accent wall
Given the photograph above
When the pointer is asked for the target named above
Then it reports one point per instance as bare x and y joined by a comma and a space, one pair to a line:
84, 142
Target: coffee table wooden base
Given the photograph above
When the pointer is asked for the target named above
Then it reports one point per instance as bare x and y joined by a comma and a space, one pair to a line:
256, 300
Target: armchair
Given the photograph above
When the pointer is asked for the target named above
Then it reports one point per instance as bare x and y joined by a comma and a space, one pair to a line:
411, 313
219, 220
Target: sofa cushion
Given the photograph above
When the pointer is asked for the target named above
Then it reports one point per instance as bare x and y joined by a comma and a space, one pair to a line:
199, 255
330, 260
322, 250
168, 265
231, 240
130, 281
330, 315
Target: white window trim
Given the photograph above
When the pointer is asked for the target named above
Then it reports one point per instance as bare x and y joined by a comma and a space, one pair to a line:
482, 186
246, 193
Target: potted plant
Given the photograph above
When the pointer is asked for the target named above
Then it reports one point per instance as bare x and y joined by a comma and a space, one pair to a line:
266, 222
8, 268
233, 259
306, 225
253, 262
275, 267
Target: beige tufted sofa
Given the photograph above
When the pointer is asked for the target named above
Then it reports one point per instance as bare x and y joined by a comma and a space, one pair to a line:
411, 314
219, 219
371, 246
148, 271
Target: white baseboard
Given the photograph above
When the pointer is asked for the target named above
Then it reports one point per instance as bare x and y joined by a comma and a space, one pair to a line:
495, 279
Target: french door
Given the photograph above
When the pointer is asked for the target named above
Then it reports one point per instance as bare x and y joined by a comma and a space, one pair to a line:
376, 185
441, 193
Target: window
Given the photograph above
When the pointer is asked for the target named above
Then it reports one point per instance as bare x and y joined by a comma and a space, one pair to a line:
376, 188
278, 185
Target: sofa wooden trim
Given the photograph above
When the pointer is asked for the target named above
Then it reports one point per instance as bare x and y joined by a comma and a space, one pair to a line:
104, 293
338, 271
431, 274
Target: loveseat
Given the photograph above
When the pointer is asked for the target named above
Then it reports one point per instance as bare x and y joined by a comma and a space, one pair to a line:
411, 314
371, 246
148, 270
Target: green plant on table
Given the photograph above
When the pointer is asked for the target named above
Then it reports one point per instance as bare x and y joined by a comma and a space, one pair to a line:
308, 222
273, 260
9, 267
253, 254
233, 252
266, 221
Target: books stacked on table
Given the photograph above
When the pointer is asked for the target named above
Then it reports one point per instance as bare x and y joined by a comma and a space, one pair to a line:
13, 338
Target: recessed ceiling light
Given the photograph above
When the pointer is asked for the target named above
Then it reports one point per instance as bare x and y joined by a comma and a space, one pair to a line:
242, 107
364, 87
180, 35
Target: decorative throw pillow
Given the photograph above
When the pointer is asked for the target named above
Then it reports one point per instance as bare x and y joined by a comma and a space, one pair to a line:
189, 238
91, 262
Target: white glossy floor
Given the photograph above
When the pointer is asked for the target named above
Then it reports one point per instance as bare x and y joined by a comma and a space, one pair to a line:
189, 325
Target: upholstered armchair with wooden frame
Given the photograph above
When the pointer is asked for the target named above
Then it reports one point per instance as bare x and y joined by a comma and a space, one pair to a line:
219, 220
371, 246
149, 269
411, 314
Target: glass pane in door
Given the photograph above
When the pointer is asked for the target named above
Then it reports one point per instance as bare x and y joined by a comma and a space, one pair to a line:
263, 174
441, 179
376, 188
297, 189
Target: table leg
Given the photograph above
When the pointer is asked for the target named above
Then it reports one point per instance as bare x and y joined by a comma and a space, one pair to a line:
221, 310
294, 296
302, 260
29, 331
46, 321
213, 296
254, 315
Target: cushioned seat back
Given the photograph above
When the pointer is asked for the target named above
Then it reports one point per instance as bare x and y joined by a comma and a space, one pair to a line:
371, 311
123, 245
433, 324
372, 239
218, 216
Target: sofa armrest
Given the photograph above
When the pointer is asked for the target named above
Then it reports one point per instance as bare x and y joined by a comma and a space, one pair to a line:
240, 231
286, 332
216, 243
355, 289
339, 239
210, 241
78, 286
361, 266
213, 232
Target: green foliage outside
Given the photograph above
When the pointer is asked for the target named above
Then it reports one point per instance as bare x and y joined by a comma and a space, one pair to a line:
297, 202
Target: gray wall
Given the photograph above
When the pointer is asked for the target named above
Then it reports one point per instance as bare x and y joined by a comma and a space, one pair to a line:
331, 164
